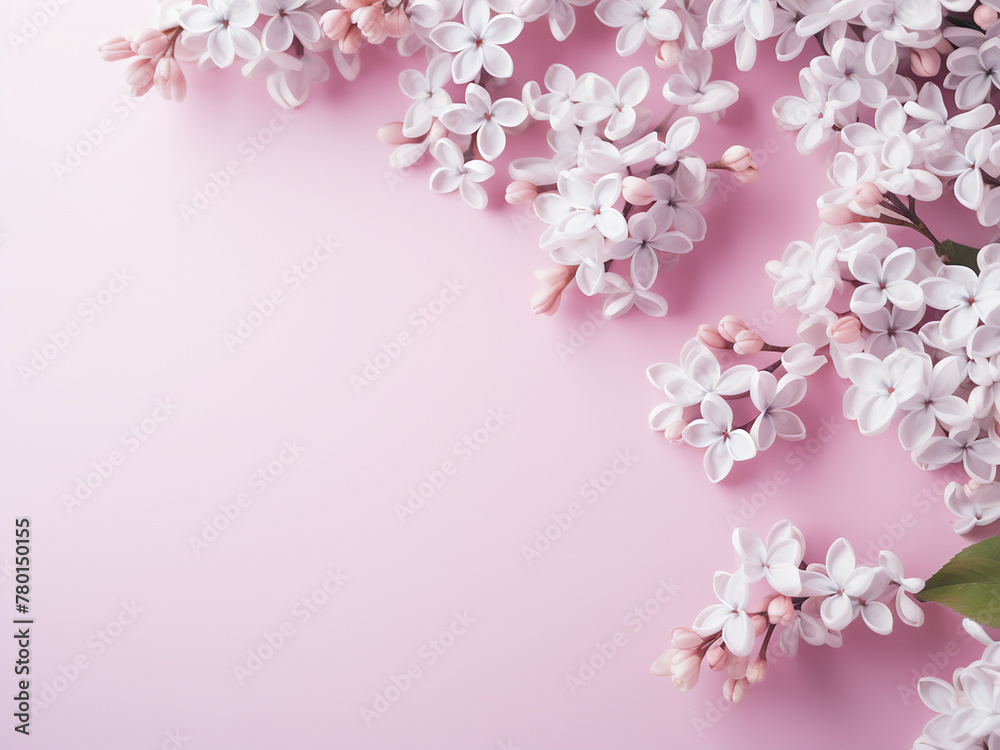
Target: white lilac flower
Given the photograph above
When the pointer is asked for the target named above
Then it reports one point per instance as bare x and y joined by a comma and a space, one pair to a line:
693, 88
580, 205
776, 560
676, 197
486, 118
698, 375
807, 275
974, 73
636, 20
227, 23
892, 328
729, 616
844, 71
934, 402
715, 432
813, 116
979, 508
967, 298
476, 42
457, 174
841, 582
978, 454
886, 281
558, 106
616, 104
966, 168
623, 296
907, 610
289, 19
880, 387
647, 239
429, 95
773, 398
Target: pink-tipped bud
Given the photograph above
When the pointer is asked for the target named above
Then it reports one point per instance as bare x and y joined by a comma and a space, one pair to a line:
637, 191
675, 431
737, 158
685, 668
149, 43
944, 47
838, 216
867, 195
717, 657
685, 638
169, 80
350, 42
757, 671
661, 667
397, 23
392, 133
139, 74
668, 54
748, 342
749, 175
335, 23
115, 48
736, 666
926, 63
781, 611
971, 487
729, 326
371, 21
555, 280
709, 335
759, 623
984, 16
845, 330
736, 690
521, 192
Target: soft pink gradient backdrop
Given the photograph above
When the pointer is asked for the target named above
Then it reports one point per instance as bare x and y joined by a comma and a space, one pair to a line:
502, 683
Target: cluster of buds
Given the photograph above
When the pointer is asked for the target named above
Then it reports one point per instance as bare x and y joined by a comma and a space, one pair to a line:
358, 21
154, 65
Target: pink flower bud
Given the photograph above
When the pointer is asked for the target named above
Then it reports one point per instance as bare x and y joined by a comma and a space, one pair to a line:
729, 326
944, 47
709, 335
845, 330
757, 671
353, 5
169, 80
371, 21
397, 23
736, 690
335, 23
748, 342
637, 191
759, 624
149, 43
838, 216
685, 638
661, 667
717, 657
736, 666
984, 16
749, 175
392, 133
685, 668
546, 300
675, 430
971, 486
668, 54
737, 158
350, 42
139, 74
926, 63
521, 192
115, 48
867, 195
781, 611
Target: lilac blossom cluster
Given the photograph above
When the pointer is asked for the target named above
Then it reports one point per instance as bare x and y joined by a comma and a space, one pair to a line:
809, 603
968, 716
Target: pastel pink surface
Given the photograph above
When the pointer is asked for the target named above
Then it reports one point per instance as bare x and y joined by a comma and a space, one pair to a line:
571, 395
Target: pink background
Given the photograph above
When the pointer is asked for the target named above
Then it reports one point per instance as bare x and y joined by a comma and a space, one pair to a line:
168, 675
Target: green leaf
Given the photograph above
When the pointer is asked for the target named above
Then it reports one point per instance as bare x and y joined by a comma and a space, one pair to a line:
959, 254
969, 583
